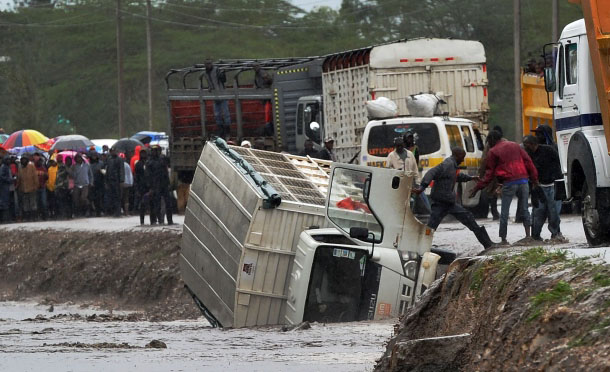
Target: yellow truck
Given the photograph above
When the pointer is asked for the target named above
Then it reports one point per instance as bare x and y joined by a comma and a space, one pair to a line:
535, 99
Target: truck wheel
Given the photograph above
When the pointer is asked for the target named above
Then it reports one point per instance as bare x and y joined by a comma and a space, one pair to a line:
594, 231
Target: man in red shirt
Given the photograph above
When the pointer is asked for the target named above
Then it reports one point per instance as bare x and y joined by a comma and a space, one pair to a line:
513, 168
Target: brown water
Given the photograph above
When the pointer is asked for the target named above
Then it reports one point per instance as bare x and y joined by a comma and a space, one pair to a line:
48, 344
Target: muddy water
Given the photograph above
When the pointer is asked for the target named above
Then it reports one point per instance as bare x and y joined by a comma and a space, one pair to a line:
29, 344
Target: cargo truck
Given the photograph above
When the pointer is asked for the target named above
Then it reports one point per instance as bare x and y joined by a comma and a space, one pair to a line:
273, 238
579, 79
331, 90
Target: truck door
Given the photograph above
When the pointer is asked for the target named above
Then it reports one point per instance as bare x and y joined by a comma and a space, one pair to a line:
471, 162
567, 97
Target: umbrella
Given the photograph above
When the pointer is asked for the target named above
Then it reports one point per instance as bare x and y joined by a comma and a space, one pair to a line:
72, 142
24, 150
70, 154
127, 145
99, 143
3, 138
26, 137
149, 137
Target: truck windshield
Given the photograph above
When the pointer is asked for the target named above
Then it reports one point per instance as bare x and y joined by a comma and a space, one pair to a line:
348, 206
381, 138
343, 286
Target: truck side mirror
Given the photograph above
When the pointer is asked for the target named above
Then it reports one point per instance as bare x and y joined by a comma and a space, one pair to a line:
360, 233
314, 126
549, 79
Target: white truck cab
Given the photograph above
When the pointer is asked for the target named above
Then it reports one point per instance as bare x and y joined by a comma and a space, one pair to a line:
581, 140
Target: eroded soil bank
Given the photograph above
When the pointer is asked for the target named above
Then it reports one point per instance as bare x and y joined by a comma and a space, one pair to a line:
538, 310
124, 270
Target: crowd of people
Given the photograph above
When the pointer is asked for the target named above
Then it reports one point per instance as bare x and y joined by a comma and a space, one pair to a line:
86, 184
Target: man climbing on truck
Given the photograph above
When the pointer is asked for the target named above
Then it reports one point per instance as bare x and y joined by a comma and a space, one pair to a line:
445, 175
216, 82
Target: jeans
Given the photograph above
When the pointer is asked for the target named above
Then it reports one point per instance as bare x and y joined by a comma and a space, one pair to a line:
42, 202
223, 118
508, 192
440, 210
547, 208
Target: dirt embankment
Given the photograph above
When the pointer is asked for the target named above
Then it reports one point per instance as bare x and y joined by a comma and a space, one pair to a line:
535, 311
127, 270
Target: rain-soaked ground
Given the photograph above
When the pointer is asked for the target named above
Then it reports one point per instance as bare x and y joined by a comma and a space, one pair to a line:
52, 344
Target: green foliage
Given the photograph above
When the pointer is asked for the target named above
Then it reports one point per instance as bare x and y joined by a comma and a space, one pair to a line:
63, 56
478, 277
561, 292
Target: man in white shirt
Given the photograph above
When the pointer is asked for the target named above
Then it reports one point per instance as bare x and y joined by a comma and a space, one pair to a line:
403, 159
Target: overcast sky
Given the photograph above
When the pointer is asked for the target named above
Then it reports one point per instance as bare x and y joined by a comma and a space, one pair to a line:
310, 4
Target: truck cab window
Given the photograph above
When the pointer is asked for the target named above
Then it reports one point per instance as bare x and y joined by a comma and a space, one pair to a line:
571, 64
348, 205
468, 139
311, 113
560, 72
455, 138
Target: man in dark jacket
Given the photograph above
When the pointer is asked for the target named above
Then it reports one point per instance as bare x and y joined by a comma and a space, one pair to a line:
445, 175
115, 175
327, 153
6, 180
546, 161
97, 193
158, 177
512, 167
142, 186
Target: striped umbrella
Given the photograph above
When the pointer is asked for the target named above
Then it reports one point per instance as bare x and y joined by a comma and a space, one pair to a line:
26, 137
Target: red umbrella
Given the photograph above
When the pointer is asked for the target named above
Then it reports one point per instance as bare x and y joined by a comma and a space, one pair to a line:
26, 137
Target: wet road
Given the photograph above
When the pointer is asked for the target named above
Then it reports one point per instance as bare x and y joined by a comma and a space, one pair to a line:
191, 345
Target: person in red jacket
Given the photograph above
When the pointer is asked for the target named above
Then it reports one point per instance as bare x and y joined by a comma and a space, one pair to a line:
513, 168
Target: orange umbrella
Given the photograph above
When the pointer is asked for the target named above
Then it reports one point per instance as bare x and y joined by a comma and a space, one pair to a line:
26, 137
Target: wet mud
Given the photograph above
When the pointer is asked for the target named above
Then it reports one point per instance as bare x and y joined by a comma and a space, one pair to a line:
113, 270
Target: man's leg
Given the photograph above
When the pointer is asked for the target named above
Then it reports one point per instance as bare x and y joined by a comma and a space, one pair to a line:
508, 192
218, 118
551, 209
168, 207
523, 199
437, 212
539, 215
467, 219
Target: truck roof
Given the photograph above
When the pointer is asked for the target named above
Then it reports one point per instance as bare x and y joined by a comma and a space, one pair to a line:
575, 28
416, 119
419, 52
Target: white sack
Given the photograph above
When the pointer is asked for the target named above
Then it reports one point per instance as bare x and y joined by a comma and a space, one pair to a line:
381, 108
424, 105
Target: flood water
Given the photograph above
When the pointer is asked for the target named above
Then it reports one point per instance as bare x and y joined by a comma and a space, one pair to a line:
30, 344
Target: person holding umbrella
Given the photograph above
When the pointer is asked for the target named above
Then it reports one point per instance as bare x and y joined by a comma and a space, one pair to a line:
27, 184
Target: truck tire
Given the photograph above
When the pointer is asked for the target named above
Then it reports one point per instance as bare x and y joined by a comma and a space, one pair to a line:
595, 232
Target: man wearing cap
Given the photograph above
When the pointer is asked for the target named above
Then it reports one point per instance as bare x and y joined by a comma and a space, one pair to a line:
246, 144
327, 153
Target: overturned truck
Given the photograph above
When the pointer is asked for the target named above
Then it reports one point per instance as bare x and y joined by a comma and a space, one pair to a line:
271, 239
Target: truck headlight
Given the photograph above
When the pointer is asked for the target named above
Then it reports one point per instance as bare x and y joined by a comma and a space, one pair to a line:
410, 269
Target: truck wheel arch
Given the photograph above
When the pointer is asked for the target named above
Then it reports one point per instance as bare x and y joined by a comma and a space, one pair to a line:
580, 163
